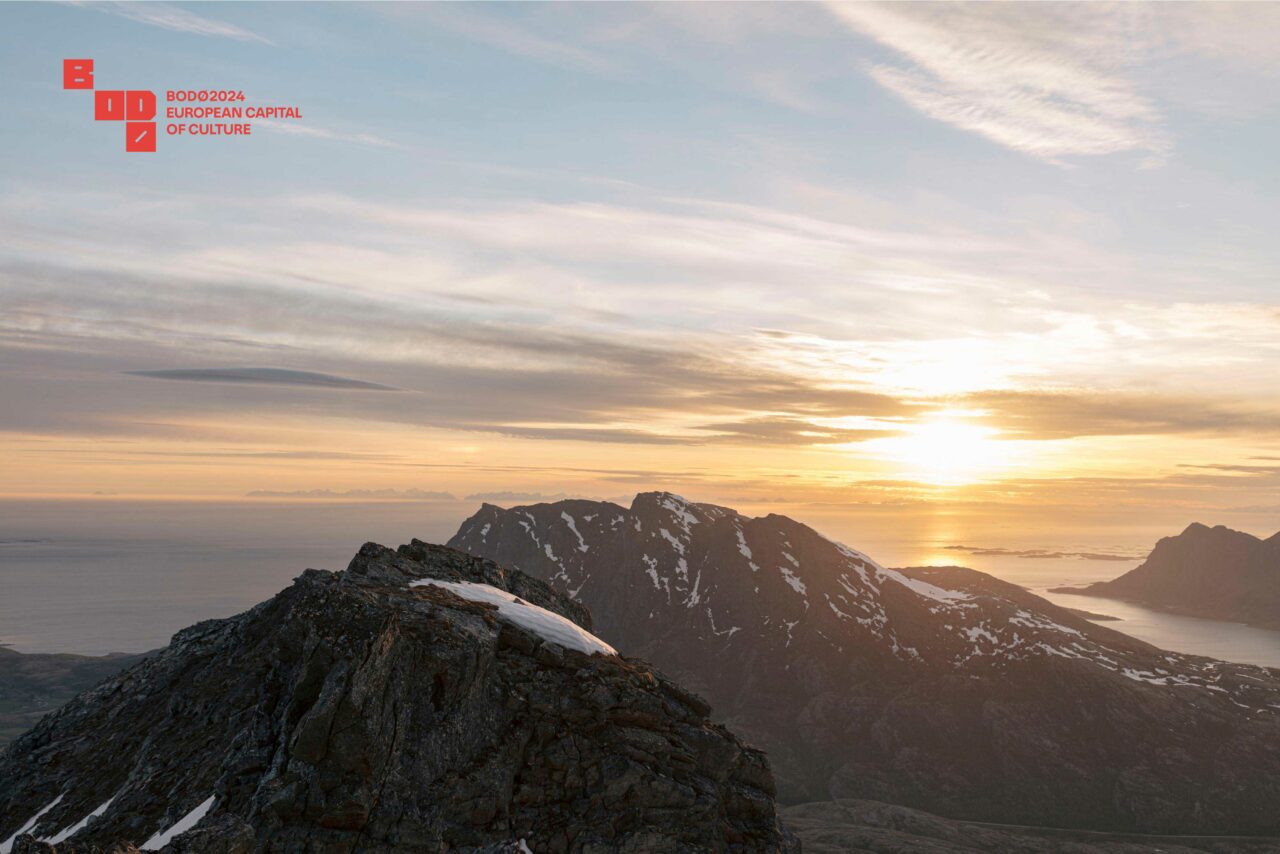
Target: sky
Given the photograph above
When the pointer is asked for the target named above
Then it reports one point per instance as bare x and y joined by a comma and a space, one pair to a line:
996, 256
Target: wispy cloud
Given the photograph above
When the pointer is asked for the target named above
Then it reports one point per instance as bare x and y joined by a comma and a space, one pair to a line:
1044, 554
1070, 414
362, 494
325, 133
1018, 75
514, 497
261, 376
490, 26
180, 20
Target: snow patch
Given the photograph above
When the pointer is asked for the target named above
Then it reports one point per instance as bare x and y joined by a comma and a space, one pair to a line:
1036, 621
568, 520
7, 845
925, 589
188, 821
745, 550
545, 624
980, 632
651, 569
694, 597
790, 626
796, 584
679, 507
66, 833
676, 544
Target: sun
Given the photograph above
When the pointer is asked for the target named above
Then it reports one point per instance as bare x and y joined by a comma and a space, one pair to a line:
946, 451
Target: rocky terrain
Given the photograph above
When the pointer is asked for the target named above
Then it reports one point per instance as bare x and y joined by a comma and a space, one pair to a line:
942, 689
1204, 572
34, 684
421, 700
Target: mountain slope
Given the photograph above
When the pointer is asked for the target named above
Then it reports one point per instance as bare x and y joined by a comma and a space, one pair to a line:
944, 689
1205, 572
421, 700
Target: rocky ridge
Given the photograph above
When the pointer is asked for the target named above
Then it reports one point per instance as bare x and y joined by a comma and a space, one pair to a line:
389, 707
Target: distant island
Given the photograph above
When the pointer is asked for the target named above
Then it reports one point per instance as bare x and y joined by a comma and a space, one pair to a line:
1208, 572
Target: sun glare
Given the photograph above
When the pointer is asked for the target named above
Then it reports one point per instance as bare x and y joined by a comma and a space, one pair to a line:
946, 452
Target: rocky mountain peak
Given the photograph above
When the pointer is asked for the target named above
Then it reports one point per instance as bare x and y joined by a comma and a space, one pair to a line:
942, 688
1198, 530
1213, 572
423, 699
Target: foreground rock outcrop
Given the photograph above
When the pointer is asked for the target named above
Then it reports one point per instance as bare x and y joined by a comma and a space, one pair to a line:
943, 689
421, 700
1204, 572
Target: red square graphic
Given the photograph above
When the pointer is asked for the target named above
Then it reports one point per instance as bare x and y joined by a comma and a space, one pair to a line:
140, 105
140, 136
77, 74
108, 105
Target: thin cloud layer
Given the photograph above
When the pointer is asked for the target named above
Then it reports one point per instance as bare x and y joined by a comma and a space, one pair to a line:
1044, 554
260, 376
181, 20
363, 494
1027, 77
1071, 414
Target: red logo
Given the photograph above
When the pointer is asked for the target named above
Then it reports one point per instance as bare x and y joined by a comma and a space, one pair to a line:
135, 107
77, 74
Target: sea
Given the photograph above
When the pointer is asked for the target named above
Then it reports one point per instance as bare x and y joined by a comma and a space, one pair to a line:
98, 576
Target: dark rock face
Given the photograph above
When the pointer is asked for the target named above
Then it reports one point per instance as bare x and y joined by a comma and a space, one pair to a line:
940, 688
834, 827
357, 712
1205, 572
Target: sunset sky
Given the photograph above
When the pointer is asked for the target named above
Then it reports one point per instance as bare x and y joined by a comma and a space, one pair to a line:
760, 254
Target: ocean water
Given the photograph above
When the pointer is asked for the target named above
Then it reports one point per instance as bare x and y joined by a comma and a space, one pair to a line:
94, 577
1214, 638
101, 576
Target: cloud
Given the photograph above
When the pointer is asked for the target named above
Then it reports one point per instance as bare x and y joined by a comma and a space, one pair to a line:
512, 497
606, 435
790, 431
261, 376
400, 494
180, 20
324, 133
1043, 79
1044, 554
576, 322
491, 26
1236, 468
1075, 413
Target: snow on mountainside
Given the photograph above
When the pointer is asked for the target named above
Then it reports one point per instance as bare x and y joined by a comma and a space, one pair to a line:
943, 688
783, 580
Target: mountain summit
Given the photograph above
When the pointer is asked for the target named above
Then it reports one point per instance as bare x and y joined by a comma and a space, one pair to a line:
1205, 572
422, 700
940, 688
